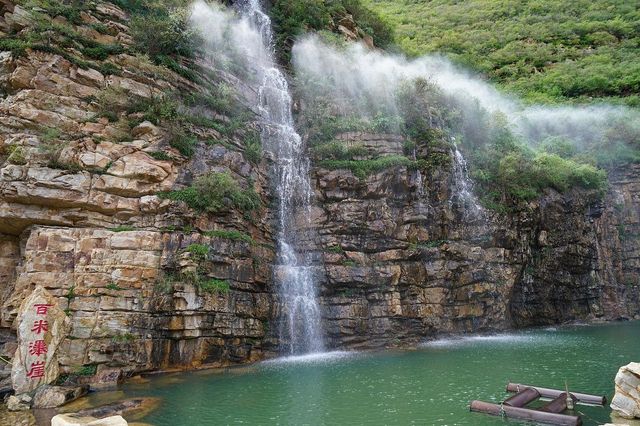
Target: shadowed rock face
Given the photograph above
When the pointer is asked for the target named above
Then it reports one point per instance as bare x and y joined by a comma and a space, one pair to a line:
403, 257
404, 260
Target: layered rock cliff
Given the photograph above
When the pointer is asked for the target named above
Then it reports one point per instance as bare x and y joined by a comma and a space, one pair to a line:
149, 282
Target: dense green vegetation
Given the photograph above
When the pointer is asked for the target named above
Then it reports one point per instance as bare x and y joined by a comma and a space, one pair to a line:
549, 51
292, 18
215, 192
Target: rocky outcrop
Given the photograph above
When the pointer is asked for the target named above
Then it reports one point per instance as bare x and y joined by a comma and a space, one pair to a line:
407, 256
80, 213
626, 401
77, 420
41, 327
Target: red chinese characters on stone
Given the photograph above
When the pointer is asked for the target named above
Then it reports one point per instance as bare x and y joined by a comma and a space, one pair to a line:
38, 348
37, 370
42, 308
40, 326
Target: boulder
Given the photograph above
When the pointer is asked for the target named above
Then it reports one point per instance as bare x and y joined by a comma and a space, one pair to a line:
626, 401
55, 396
42, 325
20, 402
78, 420
136, 408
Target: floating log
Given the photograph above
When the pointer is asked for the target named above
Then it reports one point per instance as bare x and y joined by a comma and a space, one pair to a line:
582, 398
557, 405
525, 414
522, 398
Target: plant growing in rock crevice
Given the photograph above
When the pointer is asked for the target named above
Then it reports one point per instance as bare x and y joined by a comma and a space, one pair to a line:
216, 192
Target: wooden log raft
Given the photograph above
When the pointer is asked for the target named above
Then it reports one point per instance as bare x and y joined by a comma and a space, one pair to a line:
557, 405
525, 414
522, 398
581, 398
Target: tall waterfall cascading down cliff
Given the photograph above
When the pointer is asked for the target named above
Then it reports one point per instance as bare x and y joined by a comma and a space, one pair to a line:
301, 325
247, 41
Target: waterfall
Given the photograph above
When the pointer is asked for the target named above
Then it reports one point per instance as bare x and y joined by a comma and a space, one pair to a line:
300, 324
243, 42
464, 188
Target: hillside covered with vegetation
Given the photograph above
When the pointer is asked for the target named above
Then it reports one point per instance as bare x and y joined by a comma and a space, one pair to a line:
544, 51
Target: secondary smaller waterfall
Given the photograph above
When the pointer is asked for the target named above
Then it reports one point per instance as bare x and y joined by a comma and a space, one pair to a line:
472, 209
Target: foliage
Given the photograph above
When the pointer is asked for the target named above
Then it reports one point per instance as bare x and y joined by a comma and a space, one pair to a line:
509, 171
292, 18
113, 286
214, 286
123, 228
338, 150
17, 155
364, 168
545, 51
253, 148
164, 32
86, 370
215, 192
198, 251
230, 235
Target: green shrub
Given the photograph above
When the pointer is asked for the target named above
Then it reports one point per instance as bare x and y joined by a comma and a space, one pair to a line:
338, 150
292, 18
113, 286
214, 286
17, 155
215, 192
199, 251
160, 155
364, 168
253, 148
231, 235
164, 33
122, 228
185, 144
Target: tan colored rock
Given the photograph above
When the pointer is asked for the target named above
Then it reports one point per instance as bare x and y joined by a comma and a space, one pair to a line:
141, 166
41, 325
20, 402
56, 396
626, 401
78, 420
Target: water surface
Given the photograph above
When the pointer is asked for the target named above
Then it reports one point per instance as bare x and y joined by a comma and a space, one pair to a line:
429, 386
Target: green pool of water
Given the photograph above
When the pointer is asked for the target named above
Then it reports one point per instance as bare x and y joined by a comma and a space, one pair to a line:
430, 386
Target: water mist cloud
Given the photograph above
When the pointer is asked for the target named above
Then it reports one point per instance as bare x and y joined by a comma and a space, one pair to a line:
374, 77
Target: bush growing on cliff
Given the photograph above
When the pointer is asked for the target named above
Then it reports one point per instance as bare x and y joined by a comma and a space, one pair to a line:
292, 18
215, 192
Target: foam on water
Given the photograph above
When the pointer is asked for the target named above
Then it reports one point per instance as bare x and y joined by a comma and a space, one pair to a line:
502, 338
313, 358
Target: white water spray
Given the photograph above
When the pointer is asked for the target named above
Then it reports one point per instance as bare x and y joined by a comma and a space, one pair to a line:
247, 41
360, 76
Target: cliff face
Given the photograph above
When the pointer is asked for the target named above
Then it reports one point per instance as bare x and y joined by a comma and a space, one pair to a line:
406, 254
80, 215
407, 257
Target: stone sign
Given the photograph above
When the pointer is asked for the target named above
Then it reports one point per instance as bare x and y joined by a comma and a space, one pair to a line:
41, 326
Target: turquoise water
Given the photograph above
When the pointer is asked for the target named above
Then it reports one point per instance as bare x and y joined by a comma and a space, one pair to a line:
429, 386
